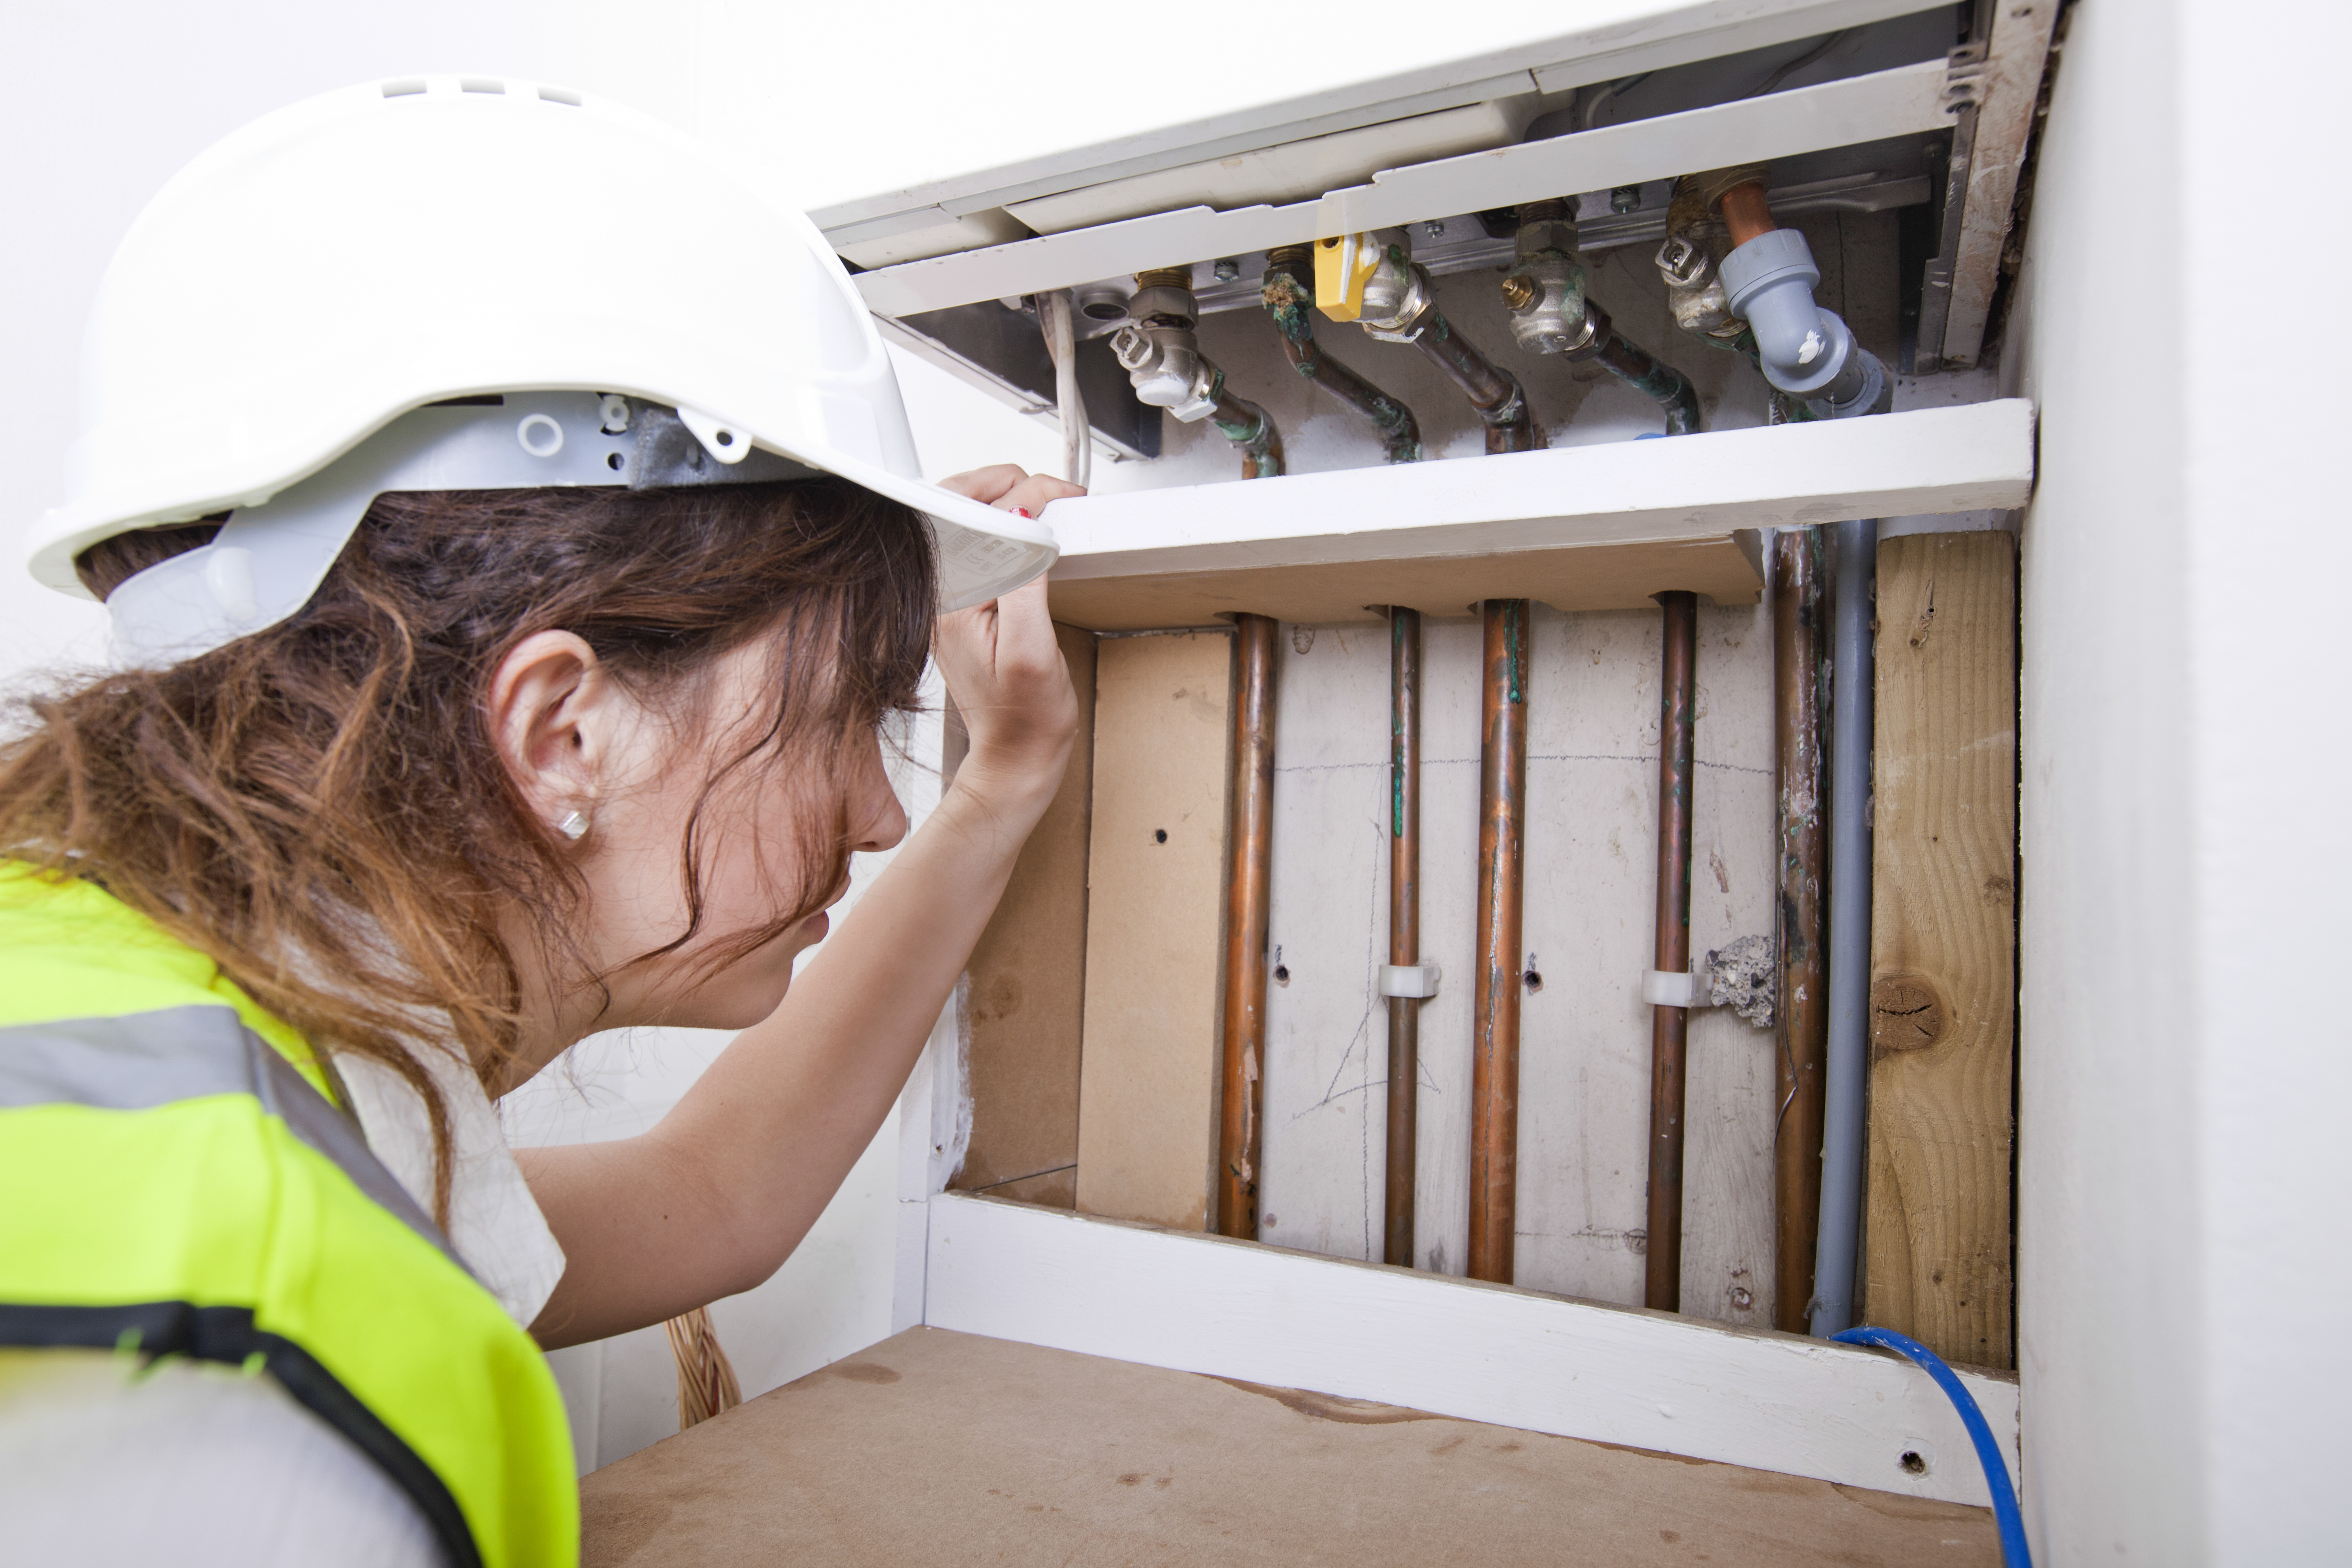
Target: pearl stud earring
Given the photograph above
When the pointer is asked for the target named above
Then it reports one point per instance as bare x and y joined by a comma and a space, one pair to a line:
574, 826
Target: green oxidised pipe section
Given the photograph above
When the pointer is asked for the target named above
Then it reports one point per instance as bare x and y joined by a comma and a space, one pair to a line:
1247, 426
1288, 300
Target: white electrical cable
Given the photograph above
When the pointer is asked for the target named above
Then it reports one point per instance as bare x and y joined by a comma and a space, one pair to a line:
1062, 343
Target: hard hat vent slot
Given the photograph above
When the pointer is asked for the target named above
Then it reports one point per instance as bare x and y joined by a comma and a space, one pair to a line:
557, 95
479, 84
402, 88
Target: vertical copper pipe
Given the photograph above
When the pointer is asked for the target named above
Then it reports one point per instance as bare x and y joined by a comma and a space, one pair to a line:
1241, 1130
1404, 925
1669, 1026
1494, 1040
1803, 1010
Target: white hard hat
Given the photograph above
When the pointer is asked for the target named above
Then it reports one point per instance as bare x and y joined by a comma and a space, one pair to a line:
274, 330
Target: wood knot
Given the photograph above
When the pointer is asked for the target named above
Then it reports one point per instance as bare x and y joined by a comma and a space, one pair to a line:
1908, 1011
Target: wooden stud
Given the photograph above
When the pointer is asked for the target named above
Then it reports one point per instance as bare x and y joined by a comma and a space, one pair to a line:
1943, 946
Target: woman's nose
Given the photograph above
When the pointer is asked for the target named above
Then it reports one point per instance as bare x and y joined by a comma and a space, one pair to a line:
876, 819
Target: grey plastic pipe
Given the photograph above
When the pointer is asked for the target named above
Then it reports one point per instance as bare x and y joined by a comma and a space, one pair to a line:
1803, 350
1847, 1063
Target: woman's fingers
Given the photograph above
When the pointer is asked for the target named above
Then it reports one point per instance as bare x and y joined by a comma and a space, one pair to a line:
1009, 485
1005, 669
985, 485
1002, 662
1033, 491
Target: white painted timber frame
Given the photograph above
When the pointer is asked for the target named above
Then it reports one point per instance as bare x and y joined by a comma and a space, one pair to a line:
1615, 38
1971, 457
1454, 1347
2005, 89
1901, 101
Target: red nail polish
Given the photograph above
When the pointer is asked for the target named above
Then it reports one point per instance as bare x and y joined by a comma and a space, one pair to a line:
1023, 511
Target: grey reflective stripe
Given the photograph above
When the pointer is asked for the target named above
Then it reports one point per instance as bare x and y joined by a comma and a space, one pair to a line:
142, 1061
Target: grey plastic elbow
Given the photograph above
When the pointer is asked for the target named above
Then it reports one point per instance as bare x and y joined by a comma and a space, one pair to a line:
1802, 349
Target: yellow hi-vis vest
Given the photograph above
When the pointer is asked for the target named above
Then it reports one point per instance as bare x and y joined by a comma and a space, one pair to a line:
175, 1180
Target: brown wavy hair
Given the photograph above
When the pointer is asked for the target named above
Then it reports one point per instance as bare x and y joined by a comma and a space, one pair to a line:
320, 807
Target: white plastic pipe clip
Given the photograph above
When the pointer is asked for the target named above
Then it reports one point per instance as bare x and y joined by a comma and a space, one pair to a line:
1409, 980
1662, 989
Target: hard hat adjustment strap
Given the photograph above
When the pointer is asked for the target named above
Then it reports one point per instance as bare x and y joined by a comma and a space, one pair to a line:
269, 559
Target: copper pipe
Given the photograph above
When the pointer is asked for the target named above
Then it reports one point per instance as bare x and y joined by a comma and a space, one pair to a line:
1801, 1012
1493, 391
1289, 296
1494, 1039
1241, 1128
1404, 926
1249, 427
1746, 213
1643, 371
1669, 1026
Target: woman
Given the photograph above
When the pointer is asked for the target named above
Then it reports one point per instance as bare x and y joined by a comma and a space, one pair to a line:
511, 603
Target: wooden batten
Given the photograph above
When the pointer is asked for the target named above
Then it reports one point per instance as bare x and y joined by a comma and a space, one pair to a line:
1155, 927
1025, 1002
1943, 946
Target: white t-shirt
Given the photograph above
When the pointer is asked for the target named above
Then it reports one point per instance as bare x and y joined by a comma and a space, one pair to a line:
104, 1464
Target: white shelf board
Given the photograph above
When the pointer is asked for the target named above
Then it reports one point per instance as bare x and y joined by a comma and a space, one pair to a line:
1841, 113
1482, 1352
1412, 524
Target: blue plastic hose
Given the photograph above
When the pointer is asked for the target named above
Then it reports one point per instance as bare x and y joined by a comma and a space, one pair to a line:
2013, 1550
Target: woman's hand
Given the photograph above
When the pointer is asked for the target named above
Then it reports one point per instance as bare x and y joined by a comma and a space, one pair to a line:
1006, 670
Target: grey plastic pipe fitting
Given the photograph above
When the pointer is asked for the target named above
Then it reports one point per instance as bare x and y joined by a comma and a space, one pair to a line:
1803, 350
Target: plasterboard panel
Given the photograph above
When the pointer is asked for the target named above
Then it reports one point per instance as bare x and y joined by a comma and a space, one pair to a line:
1618, 37
1483, 1353
1901, 101
1591, 794
1583, 578
1692, 488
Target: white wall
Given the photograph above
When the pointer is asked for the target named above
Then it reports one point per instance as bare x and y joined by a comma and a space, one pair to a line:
2182, 1261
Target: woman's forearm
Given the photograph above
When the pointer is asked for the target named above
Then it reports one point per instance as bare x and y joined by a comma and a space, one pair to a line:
713, 1198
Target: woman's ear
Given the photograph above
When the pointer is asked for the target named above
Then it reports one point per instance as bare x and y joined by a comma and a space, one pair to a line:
555, 717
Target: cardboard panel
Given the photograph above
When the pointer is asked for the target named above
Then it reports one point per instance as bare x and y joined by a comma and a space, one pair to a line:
1026, 998
936, 1447
1155, 921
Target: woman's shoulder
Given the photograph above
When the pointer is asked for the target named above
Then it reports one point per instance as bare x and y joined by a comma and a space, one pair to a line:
70, 949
